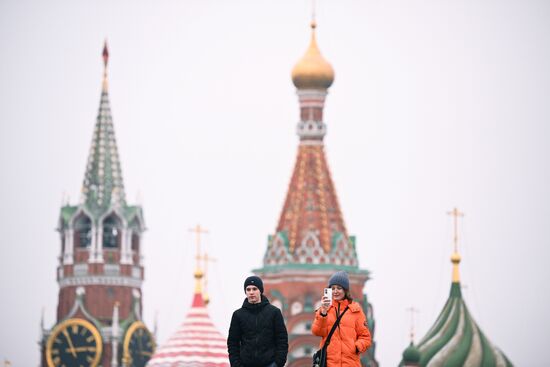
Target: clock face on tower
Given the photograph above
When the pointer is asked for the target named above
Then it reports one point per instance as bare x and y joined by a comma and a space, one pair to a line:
139, 345
74, 342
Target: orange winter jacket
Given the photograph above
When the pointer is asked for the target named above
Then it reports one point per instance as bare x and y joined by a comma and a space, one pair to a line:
351, 335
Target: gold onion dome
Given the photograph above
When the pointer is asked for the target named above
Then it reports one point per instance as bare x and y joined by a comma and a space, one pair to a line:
313, 71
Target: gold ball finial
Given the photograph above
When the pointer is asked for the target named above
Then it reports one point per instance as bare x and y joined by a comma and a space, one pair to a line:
312, 71
455, 258
198, 274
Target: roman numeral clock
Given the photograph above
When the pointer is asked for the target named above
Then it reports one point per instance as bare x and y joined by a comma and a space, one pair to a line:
74, 342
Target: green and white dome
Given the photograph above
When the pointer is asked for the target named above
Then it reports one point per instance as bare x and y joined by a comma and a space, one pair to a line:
455, 339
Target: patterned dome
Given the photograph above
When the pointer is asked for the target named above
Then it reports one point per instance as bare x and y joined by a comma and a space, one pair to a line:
312, 71
197, 342
455, 339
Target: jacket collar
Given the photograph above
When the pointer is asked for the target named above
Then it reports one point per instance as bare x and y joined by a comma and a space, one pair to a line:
255, 306
353, 306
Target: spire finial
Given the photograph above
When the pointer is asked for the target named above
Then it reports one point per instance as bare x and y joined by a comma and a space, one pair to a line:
105, 62
455, 257
313, 15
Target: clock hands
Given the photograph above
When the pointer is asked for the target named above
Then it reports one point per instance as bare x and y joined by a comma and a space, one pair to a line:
83, 349
71, 346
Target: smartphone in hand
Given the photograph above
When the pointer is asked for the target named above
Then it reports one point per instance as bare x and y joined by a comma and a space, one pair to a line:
328, 293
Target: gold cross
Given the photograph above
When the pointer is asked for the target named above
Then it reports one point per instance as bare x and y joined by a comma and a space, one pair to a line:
455, 213
198, 230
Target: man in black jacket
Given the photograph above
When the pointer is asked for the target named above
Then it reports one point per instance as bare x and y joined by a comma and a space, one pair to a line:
257, 335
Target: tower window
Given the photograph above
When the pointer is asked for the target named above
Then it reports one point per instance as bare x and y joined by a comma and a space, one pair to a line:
112, 233
83, 232
135, 242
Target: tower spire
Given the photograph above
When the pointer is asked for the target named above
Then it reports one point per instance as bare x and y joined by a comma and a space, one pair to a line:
455, 257
103, 187
311, 228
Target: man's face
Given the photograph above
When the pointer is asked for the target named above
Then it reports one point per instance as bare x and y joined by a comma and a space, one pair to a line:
253, 294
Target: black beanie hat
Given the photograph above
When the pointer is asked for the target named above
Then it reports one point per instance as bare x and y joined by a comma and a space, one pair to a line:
254, 280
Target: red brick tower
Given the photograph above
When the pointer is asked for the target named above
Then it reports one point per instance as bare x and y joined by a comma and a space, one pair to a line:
100, 269
311, 241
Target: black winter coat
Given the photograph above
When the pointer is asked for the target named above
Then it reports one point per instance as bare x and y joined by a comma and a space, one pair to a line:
257, 336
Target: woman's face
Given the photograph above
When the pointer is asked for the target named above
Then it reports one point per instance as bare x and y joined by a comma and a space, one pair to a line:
338, 293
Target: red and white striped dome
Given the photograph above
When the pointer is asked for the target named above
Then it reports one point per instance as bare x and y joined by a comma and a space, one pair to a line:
197, 342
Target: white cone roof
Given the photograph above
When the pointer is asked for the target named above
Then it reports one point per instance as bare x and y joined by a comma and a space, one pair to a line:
196, 343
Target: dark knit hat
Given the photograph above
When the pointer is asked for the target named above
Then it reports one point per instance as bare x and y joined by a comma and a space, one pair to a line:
339, 278
254, 280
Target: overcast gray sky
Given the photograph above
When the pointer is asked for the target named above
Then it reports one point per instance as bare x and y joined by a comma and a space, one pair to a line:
435, 104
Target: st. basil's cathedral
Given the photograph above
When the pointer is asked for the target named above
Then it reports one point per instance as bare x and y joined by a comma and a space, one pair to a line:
100, 270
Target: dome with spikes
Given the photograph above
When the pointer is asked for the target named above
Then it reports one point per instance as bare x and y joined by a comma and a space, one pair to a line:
312, 71
455, 339
197, 342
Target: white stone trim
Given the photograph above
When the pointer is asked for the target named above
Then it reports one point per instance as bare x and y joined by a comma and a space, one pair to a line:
96, 256
80, 269
125, 253
311, 129
68, 255
311, 142
100, 280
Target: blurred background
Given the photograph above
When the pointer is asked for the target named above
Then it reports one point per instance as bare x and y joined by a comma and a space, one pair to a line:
435, 104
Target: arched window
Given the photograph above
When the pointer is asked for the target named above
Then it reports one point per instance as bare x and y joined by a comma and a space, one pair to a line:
135, 236
135, 242
112, 232
82, 232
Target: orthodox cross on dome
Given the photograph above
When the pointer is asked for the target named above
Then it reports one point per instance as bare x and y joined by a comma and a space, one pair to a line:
412, 310
455, 257
455, 213
199, 274
198, 230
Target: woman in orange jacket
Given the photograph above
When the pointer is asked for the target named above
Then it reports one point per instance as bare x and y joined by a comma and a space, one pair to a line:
352, 336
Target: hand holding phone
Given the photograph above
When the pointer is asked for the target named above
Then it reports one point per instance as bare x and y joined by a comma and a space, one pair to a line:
326, 300
328, 293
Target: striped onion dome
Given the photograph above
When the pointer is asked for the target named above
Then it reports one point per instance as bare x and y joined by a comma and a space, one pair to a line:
455, 339
197, 342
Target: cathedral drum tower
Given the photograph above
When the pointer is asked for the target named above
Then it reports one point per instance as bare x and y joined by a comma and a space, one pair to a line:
311, 241
100, 269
